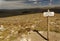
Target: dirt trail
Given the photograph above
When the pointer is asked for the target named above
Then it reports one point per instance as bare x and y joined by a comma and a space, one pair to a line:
35, 37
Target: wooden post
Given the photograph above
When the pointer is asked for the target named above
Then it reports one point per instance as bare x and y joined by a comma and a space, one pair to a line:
48, 28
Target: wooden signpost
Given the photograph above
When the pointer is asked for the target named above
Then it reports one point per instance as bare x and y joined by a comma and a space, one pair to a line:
48, 14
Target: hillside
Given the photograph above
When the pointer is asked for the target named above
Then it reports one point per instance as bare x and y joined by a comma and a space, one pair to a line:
13, 24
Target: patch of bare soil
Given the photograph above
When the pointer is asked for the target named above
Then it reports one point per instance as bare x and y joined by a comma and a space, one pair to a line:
33, 36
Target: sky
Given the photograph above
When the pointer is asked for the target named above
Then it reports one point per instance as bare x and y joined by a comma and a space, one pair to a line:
14, 4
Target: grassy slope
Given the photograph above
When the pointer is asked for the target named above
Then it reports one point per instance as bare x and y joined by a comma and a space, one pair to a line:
37, 20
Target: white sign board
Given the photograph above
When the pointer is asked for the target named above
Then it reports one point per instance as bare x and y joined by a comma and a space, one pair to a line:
48, 14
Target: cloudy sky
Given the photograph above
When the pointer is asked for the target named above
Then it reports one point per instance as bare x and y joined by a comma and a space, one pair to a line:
18, 4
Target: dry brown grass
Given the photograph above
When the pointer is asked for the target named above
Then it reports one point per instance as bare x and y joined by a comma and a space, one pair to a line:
14, 23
